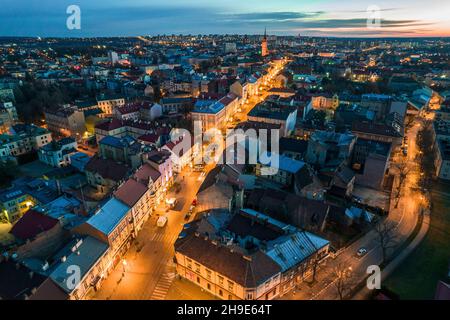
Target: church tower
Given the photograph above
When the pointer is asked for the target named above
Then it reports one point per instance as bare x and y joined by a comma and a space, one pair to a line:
264, 50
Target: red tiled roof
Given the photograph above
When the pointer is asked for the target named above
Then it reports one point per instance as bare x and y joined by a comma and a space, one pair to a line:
110, 125
107, 168
31, 224
129, 108
145, 172
130, 192
152, 138
228, 99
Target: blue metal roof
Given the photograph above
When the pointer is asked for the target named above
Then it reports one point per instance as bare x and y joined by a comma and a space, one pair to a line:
285, 163
290, 250
208, 106
83, 253
109, 216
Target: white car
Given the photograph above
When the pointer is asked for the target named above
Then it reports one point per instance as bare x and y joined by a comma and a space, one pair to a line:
162, 221
361, 252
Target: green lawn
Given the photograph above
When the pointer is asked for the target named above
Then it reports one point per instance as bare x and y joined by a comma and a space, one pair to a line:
417, 277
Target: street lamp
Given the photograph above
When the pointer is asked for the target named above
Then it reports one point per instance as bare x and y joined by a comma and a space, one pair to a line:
124, 264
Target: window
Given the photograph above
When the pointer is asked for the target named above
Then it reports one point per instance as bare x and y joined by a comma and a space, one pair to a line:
230, 286
208, 286
198, 279
189, 263
249, 295
208, 274
220, 280
197, 268
220, 293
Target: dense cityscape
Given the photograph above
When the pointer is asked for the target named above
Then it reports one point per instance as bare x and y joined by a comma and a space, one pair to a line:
224, 167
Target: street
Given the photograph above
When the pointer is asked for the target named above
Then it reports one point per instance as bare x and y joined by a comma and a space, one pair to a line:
147, 270
405, 217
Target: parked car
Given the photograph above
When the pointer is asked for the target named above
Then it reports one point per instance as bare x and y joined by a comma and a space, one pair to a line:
171, 203
162, 221
361, 252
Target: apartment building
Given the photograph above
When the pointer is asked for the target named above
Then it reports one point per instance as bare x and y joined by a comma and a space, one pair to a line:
57, 153
22, 139
66, 121
138, 197
214, 251
8, 116
272, 112
109, 102
215, 114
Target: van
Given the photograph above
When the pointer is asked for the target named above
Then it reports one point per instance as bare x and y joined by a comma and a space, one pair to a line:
162, 221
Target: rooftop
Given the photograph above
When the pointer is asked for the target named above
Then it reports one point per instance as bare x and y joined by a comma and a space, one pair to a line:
31, 224
84, 253
130, 192
271, 111
109, 216
107, 168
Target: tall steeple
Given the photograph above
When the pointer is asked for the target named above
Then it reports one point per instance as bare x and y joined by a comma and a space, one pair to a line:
264, 49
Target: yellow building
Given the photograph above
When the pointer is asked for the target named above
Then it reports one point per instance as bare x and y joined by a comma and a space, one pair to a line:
246, 255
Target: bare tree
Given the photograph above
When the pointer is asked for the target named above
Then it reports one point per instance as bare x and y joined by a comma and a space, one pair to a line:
343, 280
403, 171
386, 236
315, 262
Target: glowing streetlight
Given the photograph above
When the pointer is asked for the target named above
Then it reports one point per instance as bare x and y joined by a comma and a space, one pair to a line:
124, 264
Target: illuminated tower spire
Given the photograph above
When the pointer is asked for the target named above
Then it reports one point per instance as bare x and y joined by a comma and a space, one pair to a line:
264, 49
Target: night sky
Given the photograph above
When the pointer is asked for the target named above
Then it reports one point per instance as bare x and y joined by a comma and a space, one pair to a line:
281, 17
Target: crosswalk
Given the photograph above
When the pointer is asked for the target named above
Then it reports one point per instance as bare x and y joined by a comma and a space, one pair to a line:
163, 285
158, 236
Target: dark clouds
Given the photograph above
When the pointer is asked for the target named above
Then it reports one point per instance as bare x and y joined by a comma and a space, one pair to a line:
48, 18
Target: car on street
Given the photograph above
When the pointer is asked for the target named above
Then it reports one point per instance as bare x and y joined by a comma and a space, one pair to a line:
361, 252
162, 221
189, 213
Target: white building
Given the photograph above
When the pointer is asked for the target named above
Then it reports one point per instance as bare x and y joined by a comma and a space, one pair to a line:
57, 153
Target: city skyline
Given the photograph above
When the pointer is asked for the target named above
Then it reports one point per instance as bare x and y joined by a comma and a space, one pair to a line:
287, 17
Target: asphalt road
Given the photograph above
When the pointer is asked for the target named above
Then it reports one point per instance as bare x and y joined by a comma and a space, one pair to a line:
150, 258
405, 217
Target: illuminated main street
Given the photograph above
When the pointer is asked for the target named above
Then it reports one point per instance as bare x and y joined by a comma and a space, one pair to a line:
147, 270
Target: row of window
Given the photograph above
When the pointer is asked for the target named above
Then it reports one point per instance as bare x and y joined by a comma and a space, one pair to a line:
220, 279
